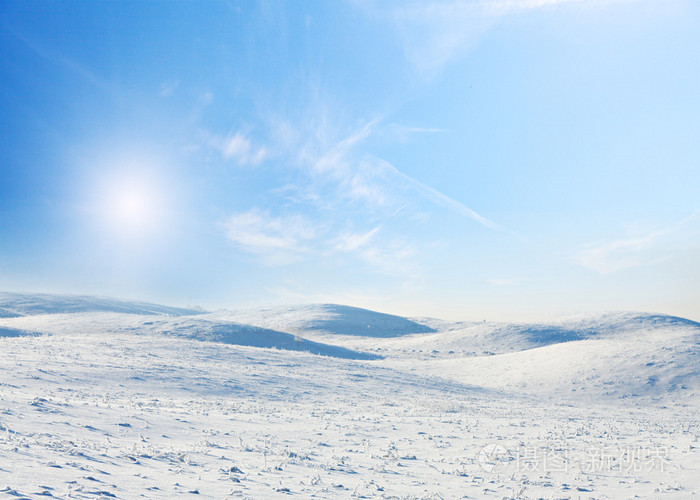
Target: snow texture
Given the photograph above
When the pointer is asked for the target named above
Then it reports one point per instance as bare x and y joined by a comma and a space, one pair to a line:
102, 398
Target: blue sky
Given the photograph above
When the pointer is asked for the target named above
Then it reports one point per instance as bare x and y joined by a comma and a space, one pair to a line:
512, 159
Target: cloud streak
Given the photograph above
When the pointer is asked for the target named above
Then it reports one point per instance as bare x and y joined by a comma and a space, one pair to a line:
358, 203
349, 242
643, 250
434, 34
277, 240
441, 199
363, 177
237, 147
51, 54
280, 240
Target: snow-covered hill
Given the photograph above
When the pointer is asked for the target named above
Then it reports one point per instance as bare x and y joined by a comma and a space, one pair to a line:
13, 332
101, 398
23, 304
198, 327
612, 355
655, 360
329, 319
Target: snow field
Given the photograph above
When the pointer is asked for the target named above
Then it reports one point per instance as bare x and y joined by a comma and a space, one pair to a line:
103, 404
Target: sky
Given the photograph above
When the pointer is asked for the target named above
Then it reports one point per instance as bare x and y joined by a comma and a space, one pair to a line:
476, 159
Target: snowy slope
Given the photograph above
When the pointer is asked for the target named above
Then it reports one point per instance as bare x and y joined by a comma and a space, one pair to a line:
329, 319
22, 304
113, 399
611, 356
126, 416
13, 332
663, 363
461, 339
197, 327
614, 355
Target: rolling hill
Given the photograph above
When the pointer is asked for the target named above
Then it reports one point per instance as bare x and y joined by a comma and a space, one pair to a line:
105, 398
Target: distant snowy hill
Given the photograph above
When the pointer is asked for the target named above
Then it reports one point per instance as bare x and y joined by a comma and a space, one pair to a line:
614, 355
13, 332
22, 304
68, 315
488, 338
205, 329
330, 319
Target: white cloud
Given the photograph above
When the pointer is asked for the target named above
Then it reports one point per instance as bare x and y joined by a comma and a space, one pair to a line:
286, 239
334, 173
204, 100
168, 88
417, 130
335, 158
279, 240
239, 148
432, 35
340, 172
387, 255
395, 257
435, 33
646, 249
347, 193
436, 196
620, 254
367, 181
50, 53
403, 133
348, 242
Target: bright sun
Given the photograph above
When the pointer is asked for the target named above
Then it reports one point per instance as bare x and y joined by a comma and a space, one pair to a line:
133, 206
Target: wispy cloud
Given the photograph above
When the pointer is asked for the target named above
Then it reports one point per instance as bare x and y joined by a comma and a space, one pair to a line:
417, 130
403, 133
348, 242
279, 240
439, 198
388, 256
645, 249
363, 177
334, 170
395, 258
358, 203
238, 147
435, 33
50, 53
168, 88
621, 254
276, 239
334, 159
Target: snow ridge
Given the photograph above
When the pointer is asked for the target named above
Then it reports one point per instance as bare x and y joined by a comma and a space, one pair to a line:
22, 304
116, 399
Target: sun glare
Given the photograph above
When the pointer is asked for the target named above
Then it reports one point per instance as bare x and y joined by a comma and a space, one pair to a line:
133, 206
